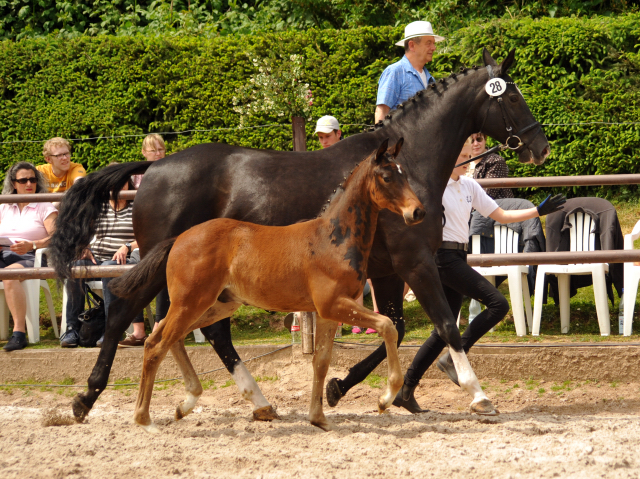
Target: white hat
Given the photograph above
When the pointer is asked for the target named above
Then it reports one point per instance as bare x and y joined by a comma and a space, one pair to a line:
327, 124
418, 29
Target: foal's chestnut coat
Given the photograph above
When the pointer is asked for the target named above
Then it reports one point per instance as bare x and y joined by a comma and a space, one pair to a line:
318, 265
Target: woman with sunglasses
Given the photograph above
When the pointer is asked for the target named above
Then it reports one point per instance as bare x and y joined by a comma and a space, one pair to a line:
491, 166
24, 227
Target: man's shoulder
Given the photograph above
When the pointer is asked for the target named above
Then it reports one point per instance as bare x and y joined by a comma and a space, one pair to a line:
76, 169
398, 66
46, 168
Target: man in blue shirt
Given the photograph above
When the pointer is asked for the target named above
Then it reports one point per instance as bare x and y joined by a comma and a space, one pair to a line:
403, 79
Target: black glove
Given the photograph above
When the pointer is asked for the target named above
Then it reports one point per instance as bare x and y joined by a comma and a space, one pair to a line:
550, 205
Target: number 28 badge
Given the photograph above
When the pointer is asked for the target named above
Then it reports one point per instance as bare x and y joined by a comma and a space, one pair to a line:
495, 87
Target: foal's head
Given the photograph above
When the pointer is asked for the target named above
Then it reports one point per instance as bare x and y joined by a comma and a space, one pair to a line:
389, 186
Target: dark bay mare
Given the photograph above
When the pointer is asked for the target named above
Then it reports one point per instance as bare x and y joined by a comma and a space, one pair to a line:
313, 271
281, 188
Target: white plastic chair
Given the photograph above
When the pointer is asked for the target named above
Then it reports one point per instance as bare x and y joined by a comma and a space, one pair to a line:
32, 293
631, 279
582, 238
96, 286
506, 242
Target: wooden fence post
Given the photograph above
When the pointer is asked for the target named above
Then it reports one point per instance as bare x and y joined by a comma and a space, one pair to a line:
299, 134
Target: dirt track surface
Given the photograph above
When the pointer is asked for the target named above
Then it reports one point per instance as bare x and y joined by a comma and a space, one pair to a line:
546, 429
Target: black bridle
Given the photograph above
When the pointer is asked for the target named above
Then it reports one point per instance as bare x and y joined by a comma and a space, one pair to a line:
513, 141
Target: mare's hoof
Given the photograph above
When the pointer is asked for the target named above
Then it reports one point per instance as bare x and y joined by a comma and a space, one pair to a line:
445, 364
407, 400
80, 409
266, 413
333, 392
484, 407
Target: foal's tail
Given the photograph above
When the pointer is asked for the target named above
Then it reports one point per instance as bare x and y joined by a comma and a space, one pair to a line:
127, 285
80, 209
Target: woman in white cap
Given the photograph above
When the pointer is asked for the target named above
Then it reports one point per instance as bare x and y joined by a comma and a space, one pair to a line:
403, 79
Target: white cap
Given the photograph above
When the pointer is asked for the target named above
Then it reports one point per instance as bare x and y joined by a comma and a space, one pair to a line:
418, 29
327, 124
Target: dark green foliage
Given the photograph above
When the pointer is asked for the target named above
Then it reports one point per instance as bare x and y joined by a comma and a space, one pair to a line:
569, 70
70, 18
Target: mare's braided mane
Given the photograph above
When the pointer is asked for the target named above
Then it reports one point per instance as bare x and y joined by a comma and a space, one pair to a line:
422, 95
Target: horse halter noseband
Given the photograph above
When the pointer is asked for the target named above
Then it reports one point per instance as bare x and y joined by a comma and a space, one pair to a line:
513, 141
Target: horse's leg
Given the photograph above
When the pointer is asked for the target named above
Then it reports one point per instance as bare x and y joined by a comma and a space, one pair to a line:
325, 332
346, 310
388, 291
191, 382
172, 329
219, 336
121, 313
424, 280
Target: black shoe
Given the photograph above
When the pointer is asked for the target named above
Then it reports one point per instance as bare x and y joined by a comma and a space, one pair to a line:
405, 399
15, 343
69, 339
334, 394
445, 364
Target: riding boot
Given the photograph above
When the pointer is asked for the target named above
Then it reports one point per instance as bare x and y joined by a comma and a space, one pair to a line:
334, 392
405, 399
445, 364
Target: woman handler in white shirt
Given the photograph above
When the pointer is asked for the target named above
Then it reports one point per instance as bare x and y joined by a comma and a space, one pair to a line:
458, 278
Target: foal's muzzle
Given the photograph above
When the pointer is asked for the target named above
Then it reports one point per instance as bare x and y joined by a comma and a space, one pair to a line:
414, 216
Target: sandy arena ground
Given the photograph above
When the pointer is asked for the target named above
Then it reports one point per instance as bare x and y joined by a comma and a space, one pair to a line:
545, 430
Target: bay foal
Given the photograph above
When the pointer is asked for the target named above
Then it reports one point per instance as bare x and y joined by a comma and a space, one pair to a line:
317, 265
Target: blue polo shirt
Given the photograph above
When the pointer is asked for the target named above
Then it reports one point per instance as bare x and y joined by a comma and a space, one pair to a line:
399, 82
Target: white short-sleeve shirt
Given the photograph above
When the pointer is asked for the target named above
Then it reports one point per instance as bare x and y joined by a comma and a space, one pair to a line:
458, 200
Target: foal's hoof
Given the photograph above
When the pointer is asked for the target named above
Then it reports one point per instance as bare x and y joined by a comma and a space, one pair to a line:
333, 392
179, 414
324, 425
150, 428
484, 407
266, 413
80, 409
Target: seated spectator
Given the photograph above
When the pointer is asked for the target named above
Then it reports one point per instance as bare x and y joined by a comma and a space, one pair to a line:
29, 226
490, 166
153, 149
59, 172
113, 243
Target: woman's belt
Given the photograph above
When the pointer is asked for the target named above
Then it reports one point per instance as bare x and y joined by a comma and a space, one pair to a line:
454, 245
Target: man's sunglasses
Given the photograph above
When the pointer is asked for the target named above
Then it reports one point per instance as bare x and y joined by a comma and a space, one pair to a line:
24, 181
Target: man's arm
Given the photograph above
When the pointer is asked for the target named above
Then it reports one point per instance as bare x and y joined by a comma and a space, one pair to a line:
381, 112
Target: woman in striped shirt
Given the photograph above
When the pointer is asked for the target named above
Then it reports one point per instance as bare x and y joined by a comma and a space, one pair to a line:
113, 244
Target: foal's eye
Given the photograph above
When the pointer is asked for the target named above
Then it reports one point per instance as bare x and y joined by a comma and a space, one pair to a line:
386, 179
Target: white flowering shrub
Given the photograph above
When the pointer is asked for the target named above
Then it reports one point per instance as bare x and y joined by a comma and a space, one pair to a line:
277, 90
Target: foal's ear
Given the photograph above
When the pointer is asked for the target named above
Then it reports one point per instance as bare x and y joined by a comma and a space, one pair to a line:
397, 148
488, 59
382, 149
508, 62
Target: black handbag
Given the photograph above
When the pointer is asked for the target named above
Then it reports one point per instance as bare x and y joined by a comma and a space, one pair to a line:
92, 321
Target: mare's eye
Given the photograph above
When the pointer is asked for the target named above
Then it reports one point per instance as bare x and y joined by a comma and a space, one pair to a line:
386, 178
513, 98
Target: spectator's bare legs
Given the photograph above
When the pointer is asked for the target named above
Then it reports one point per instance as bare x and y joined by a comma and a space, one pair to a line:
16, 300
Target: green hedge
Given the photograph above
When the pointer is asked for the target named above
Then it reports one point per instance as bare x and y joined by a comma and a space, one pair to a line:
570, 70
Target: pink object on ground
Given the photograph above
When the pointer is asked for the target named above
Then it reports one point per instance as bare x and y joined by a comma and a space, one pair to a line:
356, 330
370, 331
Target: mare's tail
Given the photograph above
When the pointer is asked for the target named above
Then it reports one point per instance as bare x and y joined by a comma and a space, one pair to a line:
79, 211
127, 285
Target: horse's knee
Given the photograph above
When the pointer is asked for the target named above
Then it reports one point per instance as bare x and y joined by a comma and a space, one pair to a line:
449, 332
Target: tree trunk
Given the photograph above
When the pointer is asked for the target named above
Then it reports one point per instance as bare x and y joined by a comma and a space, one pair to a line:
299, 134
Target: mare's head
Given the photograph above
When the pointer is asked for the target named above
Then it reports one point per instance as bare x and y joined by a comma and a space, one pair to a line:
507, 118
389, 187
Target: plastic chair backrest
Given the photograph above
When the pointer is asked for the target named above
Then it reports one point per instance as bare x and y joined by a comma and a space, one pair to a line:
506, 240
630, 238
582, 238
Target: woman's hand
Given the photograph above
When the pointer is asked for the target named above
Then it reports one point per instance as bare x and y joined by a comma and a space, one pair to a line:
22, 247
121, 255
87, 254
